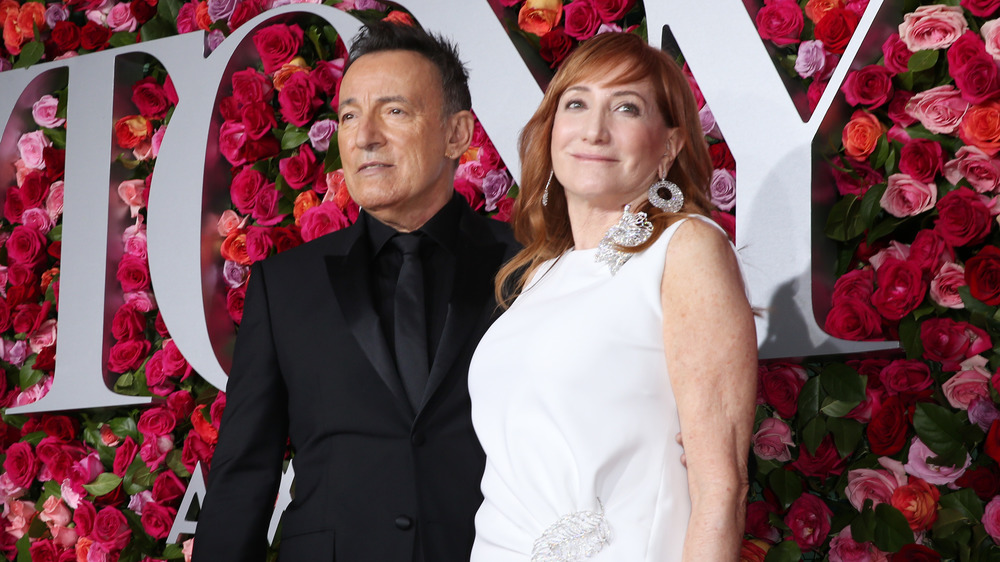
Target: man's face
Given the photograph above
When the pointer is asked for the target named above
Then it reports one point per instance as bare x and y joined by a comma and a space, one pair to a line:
396, 143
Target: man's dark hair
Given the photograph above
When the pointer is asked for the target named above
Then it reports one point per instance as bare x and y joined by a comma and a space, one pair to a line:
387, 36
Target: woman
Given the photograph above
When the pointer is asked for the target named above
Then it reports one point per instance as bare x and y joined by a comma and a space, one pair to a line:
627, 329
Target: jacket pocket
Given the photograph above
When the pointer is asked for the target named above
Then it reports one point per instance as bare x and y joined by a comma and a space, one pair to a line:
309, 546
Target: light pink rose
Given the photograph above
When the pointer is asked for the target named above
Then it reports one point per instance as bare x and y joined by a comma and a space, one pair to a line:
19, 514
945, 284
971, 163
138, 501
939, 110
918, 466
320, 134
772, 440
895, 250
723, 189
876, 484
229, 221
37, 219
907, 197
708, 124
43, 112
156, 140
187, 547
87, 469
932, 27
54, 201
970, 383
55, 512
473, 171
64, 537
496, 184
991, 35
134, 240
843, 548
16, 353
133, 194
44, 336
8, 489
991, 519
141, 300
30, 147
72, 493
154, 450
34, 392
120, 18
811, 59
143, 151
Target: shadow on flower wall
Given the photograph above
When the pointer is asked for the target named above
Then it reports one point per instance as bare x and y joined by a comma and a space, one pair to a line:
861, 458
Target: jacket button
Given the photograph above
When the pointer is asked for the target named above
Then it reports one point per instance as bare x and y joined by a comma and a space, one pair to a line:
418, 439
404, 522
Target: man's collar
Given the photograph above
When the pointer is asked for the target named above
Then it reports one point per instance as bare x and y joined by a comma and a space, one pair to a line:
442, 228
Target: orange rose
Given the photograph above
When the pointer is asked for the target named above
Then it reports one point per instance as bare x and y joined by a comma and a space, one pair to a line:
131, 130
32, 14
201, 16
918, 502
861, 134
981, 127
303, 202
470, 155
298, 64
816, 9
234, 247
539, 16
83, 548
399, 18
49, 276
754, 550
8, 8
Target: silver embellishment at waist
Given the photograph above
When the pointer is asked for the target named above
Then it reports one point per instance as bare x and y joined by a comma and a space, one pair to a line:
574, 537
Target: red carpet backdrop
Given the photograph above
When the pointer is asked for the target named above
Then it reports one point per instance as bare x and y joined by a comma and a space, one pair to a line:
886, 456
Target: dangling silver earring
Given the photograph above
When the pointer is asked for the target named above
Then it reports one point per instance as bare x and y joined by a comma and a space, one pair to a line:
671, 205
545, 194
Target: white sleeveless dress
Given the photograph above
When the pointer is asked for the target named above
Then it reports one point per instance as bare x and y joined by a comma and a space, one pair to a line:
573, 406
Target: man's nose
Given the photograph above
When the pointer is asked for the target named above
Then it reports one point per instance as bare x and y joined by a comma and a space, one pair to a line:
369, 133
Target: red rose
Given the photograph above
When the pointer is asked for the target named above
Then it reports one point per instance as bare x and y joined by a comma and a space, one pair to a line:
285, 238
823, 463
127, 355
896, 54
63, 428
128, 323
853, 176
26, 246
143, 10
929, 250
234, 302
300, 169
55, 162
43, 550
13, 205
992, 444
124, 455
167, 487
836, 28
949, 342
722, 158
246, 186
156, 422
66, 36
612, 10
964, 49
758, 524
809, 519
984, 480
133, 273
157, 520
208, 433
322, 219
180, 403
963, 217
111, 529
132, 130
853, 319
258, 119
554, 46
981, 8
325, 76
83, 517
780, 21
915, 552
582, 20
982, 275
21, 464
266, 209
244, 12
901, 288
922, 159
26, 318
870, 86
277, 44
46, 359
94, 37
195, 451
258, 243
855, 284
978, 80
780, 384
150, 98
250, 86
887, 430
906, 376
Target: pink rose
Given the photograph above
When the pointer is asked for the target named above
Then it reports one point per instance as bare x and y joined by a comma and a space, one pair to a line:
723, 189
21, 464
781, 22
229, 221
991, 35
44, 110
300, 169
120, 18
874, 484
37, 219
30, 146
111, 529
939, 110
44, 336
250, 86
247, 184
320, 134
127, 355
134, 240
809, 519
266, 210
156, 422
581, 20
811, 59
54, 201
55, 513
277, 44
19, 514
971, 383
157, 520
772, 440
939, 475
843, 548
133, 194
896, 54
907, 197
870, 86
133, 273
932, 27
945, 284
978, 168
232, 142
322, 219
991, 519
259, 243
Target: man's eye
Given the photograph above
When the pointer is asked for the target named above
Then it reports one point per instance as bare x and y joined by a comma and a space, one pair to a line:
346, 117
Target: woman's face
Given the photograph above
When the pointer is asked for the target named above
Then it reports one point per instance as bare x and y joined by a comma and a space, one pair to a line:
608, 141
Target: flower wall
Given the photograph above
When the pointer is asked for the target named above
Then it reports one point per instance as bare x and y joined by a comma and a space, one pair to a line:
854, 458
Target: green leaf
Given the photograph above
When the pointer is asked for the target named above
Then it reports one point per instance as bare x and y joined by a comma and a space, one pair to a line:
294, 137
35, 437
158, 27
23, 545
881, 153
838, 408
31, 53
169, 9
785, 551
909, 337
884, 228
846, 434
843, 382
786, 485
172, 551
55, 234
103, 484
57, 136
122, 426
922, 60
809, 398
332, 161
175, 462
871, 204
964, 501
892, 532
948, 522
863, 526
844, 222
123, 38
28, 376
813, 434
940, 430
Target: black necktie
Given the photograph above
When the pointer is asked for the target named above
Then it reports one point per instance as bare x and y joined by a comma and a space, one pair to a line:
410, 320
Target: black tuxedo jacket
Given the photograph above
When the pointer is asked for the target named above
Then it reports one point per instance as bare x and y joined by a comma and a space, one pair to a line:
374, 480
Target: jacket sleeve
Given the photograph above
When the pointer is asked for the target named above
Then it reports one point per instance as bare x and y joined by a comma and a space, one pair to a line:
246, 467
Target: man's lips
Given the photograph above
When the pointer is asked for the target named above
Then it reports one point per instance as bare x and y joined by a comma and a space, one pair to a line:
373, 166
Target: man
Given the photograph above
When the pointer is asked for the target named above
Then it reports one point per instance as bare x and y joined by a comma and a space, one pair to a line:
356, 346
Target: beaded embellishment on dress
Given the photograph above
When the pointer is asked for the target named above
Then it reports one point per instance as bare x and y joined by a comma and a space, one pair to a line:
573, 538
630, 231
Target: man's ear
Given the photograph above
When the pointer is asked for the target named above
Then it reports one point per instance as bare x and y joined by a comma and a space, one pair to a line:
459, 129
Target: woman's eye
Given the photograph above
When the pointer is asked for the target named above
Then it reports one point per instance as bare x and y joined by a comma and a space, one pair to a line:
573, 104
629, 108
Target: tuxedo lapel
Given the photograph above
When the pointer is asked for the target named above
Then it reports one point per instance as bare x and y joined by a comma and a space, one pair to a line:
350, 276
479, 258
